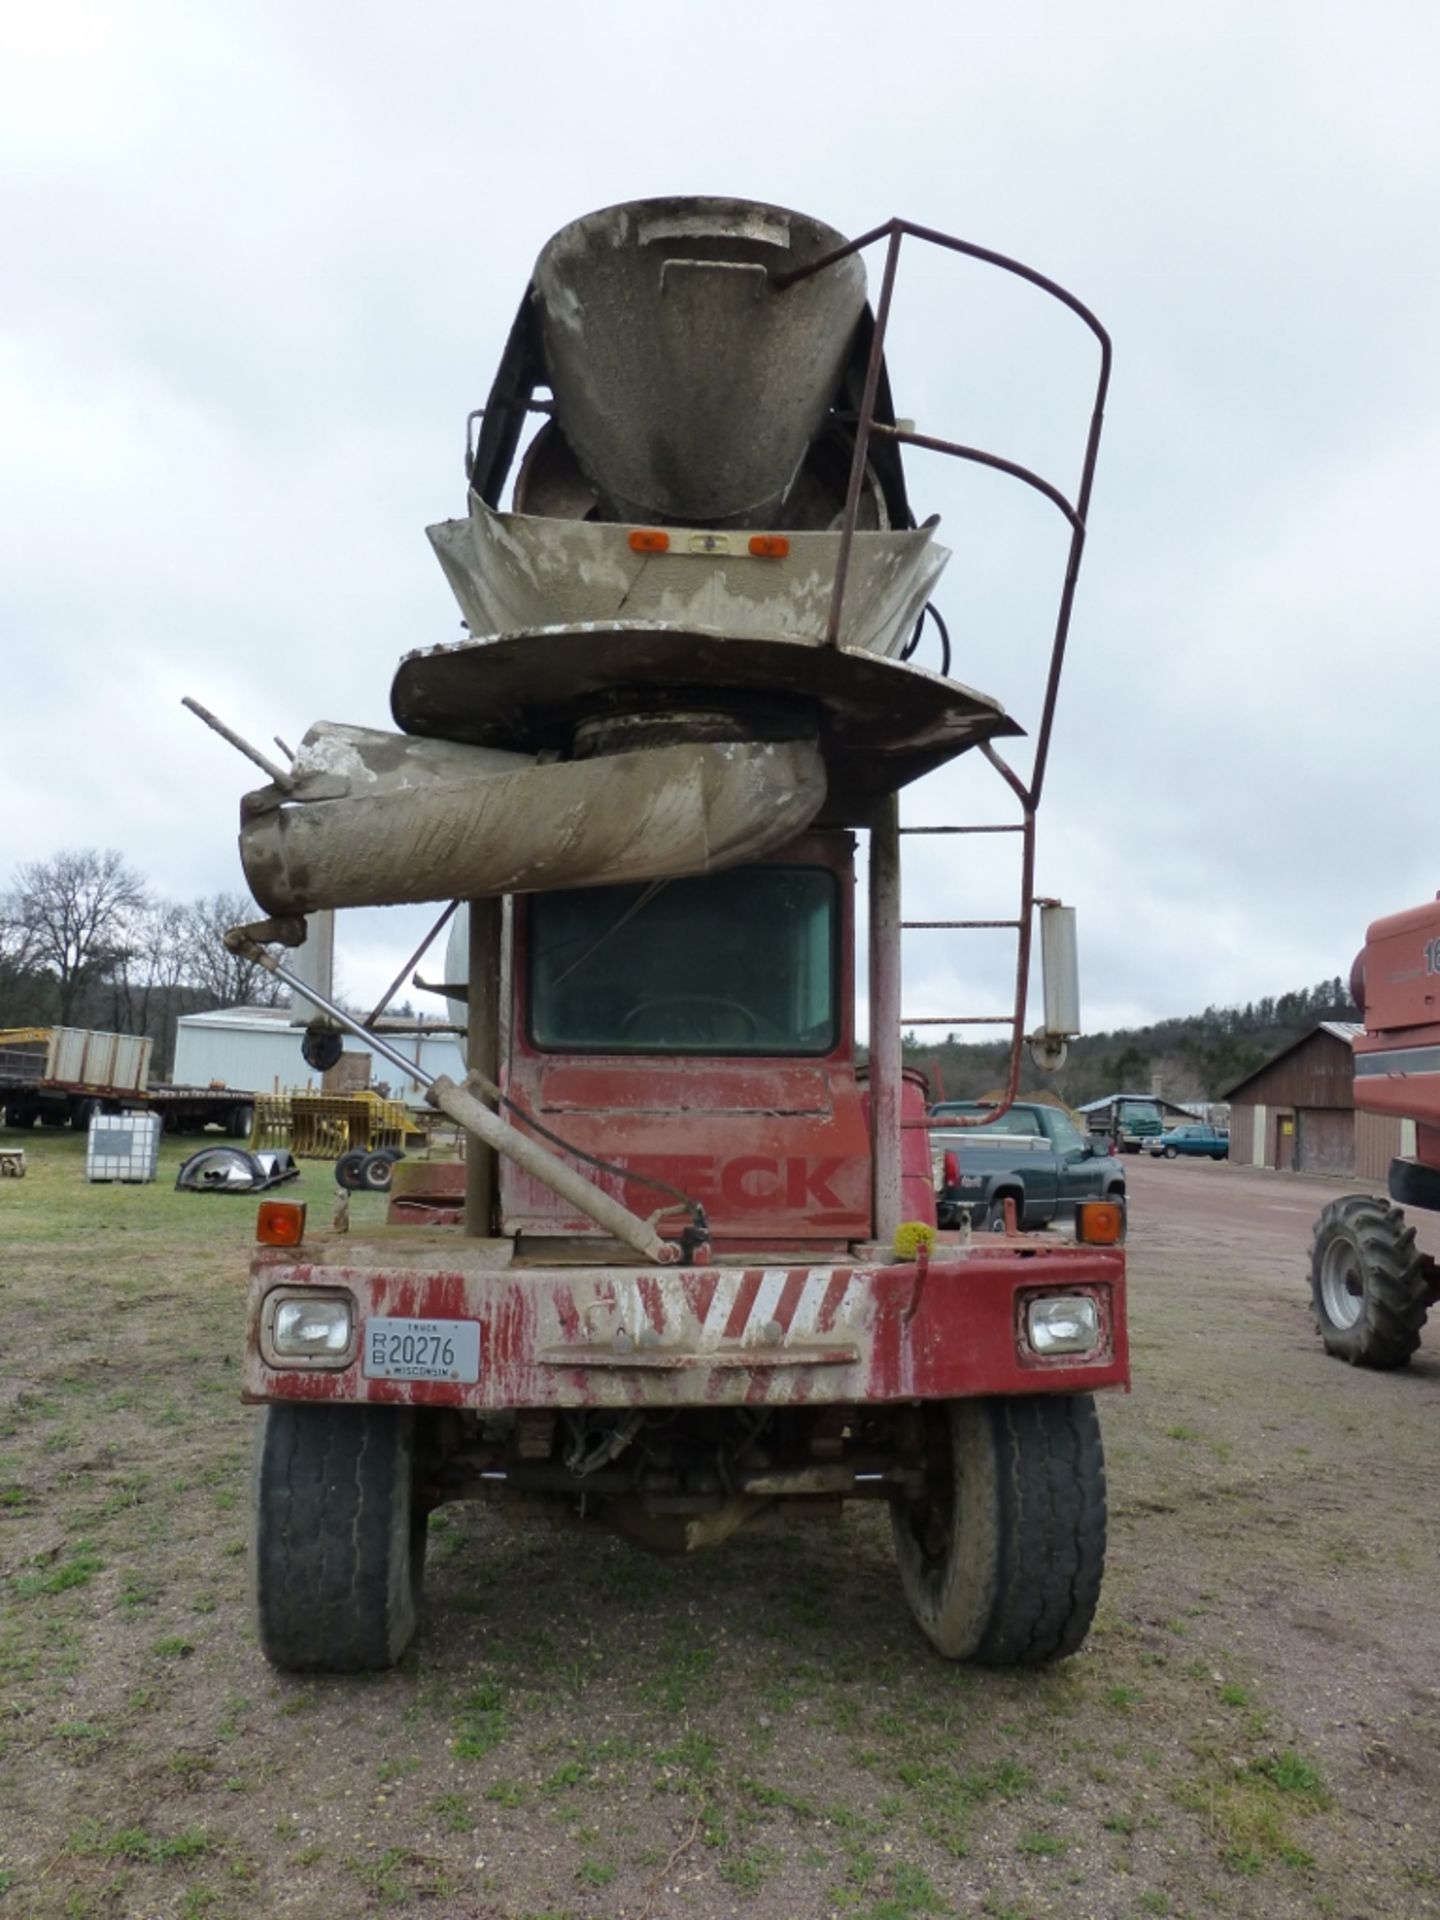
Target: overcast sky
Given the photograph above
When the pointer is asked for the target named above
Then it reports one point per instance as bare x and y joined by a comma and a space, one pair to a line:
259, 260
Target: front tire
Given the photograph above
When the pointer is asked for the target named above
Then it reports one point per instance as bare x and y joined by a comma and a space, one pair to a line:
1002, 1556
338, 1538
1368, 1286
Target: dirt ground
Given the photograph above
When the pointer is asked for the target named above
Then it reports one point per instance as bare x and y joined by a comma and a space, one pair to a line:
1253, 1728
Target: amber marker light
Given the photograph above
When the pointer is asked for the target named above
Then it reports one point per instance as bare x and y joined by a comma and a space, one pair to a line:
649, 540
280, 1223
1100, 1223
769, 546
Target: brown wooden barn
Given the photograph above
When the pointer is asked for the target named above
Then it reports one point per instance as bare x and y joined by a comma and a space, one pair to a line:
1297, 1112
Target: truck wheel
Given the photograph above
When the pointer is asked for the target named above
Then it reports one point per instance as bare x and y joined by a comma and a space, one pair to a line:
338, 1544
1368, 1285
1001, 1558
238, 1122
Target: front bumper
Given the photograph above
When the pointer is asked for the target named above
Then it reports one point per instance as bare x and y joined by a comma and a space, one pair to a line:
596, 1336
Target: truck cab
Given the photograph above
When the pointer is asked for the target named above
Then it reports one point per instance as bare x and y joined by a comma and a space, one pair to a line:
1129, 1122
709, 1023
692, 1048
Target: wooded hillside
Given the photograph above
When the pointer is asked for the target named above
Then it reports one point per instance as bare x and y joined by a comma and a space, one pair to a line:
1194, 1056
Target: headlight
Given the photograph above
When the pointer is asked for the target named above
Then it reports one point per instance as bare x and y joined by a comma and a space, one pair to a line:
318, 1329
1065, 1323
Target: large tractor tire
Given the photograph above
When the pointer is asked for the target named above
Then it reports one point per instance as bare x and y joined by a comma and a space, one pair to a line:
1368, 1285
1001, 1558
339, 1543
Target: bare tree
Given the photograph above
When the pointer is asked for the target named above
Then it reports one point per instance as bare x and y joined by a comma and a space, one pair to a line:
143, 994
26, 996
227, 979
76, 913
14, 936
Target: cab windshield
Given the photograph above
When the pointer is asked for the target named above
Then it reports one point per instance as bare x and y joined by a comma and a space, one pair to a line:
742, 962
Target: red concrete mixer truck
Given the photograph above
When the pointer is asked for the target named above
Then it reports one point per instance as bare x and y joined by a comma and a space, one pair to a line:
691, 1276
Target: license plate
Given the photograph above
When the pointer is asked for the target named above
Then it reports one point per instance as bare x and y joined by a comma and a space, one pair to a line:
447, 1350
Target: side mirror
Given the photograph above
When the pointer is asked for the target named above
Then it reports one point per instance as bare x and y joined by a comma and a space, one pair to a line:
1060, 972
1060, 968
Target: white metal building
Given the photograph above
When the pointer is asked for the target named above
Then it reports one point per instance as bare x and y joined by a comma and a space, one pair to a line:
257, 1049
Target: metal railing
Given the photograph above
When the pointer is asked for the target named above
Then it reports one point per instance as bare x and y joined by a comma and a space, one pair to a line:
1075, 512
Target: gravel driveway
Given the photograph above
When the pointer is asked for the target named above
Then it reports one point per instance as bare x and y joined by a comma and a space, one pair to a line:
1253, 1728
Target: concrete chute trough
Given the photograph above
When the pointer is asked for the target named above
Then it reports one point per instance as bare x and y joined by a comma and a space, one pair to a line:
379, 819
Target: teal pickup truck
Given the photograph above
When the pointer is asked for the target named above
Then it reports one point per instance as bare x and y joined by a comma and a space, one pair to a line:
1032, 1154
1213, 1142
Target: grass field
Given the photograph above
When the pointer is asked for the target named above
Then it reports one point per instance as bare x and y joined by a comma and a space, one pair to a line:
583, 1731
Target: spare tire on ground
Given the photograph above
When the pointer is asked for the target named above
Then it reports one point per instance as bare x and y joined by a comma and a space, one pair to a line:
350, 1170
378, 1169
